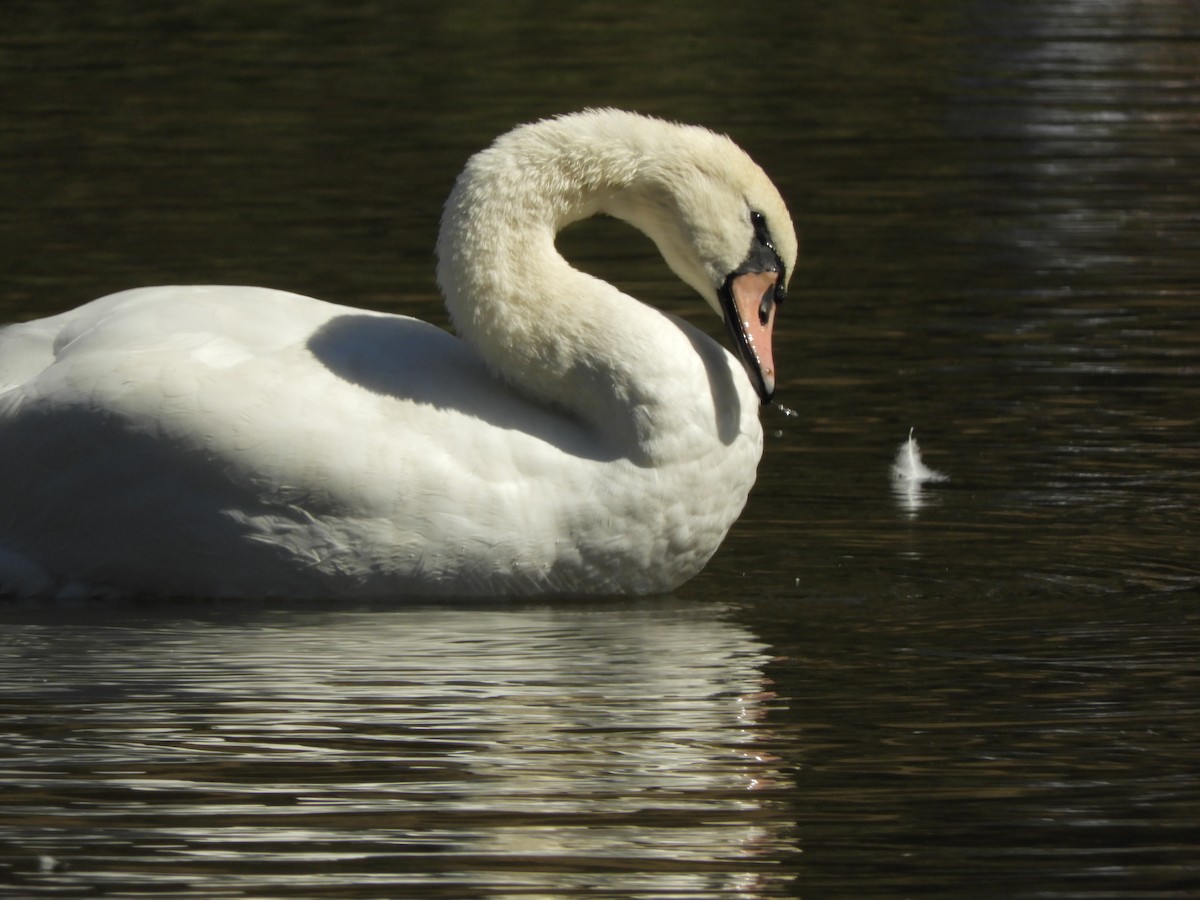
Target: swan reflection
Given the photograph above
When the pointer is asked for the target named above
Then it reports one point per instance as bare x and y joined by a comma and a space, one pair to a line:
541, 748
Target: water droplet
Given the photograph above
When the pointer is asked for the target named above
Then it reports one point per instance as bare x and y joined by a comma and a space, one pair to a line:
787, 411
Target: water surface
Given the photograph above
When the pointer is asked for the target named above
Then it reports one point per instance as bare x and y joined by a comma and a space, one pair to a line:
984, 688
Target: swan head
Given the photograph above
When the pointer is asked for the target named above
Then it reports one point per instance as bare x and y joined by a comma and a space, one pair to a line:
749, 298
722, 227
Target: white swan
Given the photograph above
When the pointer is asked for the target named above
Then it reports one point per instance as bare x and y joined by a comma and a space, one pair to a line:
238, 441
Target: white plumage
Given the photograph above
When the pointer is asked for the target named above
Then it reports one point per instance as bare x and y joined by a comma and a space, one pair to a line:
239, 441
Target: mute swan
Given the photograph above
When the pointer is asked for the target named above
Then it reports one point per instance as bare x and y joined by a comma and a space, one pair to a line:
243, 442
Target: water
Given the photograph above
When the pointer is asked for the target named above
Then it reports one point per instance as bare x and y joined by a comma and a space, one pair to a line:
986, 687
275, 751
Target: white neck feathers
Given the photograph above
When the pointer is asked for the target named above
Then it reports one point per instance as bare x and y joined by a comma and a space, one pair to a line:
558, 335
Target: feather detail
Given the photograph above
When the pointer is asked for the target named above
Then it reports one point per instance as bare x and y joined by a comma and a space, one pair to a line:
909, 468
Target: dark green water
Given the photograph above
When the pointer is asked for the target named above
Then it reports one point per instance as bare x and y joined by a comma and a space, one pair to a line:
988, 689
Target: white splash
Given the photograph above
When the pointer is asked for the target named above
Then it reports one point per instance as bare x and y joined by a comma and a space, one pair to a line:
910, 468
910, 474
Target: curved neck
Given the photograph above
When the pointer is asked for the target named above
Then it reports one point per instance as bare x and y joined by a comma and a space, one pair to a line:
556, 334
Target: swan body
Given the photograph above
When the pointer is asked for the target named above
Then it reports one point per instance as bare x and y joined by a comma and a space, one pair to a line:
240, 441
